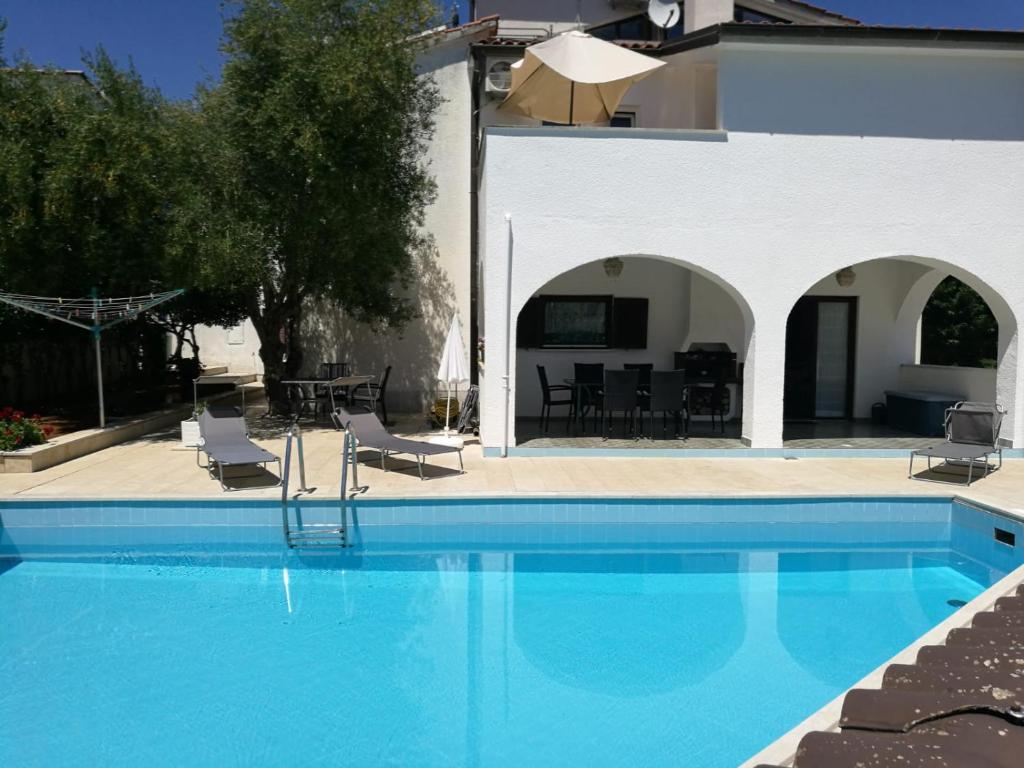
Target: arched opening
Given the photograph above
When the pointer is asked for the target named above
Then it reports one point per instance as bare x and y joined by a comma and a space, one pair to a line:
625, 311
958, 328
875, 352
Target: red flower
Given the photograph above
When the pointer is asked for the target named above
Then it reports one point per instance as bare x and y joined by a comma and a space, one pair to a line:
47, 430
6, 412
17, 417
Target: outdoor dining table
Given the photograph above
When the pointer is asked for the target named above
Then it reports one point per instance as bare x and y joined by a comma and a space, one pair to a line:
307, 396
580, 386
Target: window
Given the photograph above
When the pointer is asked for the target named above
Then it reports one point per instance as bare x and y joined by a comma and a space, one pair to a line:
631, 28
582, 322
623, 120
576, 321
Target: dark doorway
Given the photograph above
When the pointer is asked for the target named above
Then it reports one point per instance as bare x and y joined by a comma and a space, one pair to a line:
821, 336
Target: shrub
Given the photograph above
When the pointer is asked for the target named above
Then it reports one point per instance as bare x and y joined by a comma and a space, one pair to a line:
20, 431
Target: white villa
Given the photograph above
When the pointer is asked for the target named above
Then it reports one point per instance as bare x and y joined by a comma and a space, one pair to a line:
788, 165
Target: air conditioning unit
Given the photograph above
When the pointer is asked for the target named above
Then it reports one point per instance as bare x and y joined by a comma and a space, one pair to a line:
498, 76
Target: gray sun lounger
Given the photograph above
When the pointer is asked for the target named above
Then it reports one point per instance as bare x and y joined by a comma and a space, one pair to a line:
972, 435
225, 441
370, 432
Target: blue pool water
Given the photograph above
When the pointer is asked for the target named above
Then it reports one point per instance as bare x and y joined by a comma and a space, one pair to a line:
550, 649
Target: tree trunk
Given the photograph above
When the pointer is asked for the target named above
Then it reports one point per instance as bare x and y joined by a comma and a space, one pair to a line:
277, 324
194, 344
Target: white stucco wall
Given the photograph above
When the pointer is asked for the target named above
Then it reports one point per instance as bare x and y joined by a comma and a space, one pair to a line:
977, 384
238, 348
906, 92
714, 316
769, 215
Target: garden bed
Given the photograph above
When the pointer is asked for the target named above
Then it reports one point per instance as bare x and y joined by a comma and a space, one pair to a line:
75, 444
72, 445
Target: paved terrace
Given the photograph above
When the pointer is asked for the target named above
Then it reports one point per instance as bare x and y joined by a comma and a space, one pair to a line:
157, 466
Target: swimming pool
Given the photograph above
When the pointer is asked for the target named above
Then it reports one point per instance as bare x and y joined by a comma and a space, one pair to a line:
485, 633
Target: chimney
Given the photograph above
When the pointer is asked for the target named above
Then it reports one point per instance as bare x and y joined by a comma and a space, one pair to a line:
698, 14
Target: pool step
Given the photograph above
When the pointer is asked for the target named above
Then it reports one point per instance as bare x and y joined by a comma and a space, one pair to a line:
317, 537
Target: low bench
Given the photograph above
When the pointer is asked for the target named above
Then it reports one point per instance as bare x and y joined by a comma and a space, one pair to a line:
920, 413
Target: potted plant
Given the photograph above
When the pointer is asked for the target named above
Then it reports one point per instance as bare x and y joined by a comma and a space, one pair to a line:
190, 428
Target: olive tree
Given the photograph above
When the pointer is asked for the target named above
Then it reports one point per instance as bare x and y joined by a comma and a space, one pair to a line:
317, 179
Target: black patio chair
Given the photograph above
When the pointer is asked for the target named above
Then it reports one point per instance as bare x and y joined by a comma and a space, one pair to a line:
547, 403
645, 370
619, 394
708, 395
668, 395
324, 397
643, 385
374, 394
589, 378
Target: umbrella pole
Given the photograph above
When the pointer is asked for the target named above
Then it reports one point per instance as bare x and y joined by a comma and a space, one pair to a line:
99, 354
99, 376
572, 99
448, 407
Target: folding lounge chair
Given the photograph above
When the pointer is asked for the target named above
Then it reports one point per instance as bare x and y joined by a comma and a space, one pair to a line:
225, 441
371, 433
972, 435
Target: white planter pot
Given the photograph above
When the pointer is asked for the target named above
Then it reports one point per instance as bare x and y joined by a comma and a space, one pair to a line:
190, 433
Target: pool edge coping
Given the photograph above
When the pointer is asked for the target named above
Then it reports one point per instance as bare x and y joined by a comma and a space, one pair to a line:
1014, 513
783, 750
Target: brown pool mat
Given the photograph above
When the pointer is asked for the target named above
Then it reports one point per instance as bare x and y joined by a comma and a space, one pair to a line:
960, 705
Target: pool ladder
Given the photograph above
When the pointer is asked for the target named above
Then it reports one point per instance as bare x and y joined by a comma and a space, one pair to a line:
300, 535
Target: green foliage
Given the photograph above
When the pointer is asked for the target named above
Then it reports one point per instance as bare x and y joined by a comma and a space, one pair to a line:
82, 181
320, 122
958, 328
95, 181
19, 431
298, 179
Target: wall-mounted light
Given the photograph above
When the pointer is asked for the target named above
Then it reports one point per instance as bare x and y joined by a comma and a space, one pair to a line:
613, 266
846, 277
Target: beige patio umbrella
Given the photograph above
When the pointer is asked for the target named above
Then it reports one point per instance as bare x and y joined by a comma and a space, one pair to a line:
574, 79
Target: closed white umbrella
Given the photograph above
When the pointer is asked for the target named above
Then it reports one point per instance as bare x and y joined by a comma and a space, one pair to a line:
575, 79
453, 368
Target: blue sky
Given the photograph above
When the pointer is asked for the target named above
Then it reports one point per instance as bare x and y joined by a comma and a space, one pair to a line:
174, 42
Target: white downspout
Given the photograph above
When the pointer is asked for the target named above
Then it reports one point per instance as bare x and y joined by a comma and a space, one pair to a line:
506, 376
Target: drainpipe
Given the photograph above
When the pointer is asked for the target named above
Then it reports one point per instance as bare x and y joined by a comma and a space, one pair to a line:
506, 376
476, 140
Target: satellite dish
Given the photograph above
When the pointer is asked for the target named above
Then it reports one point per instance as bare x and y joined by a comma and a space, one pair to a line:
663, 13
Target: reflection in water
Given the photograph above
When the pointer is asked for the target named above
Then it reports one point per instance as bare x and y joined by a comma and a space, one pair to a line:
644, 632
840, 614
448, 658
